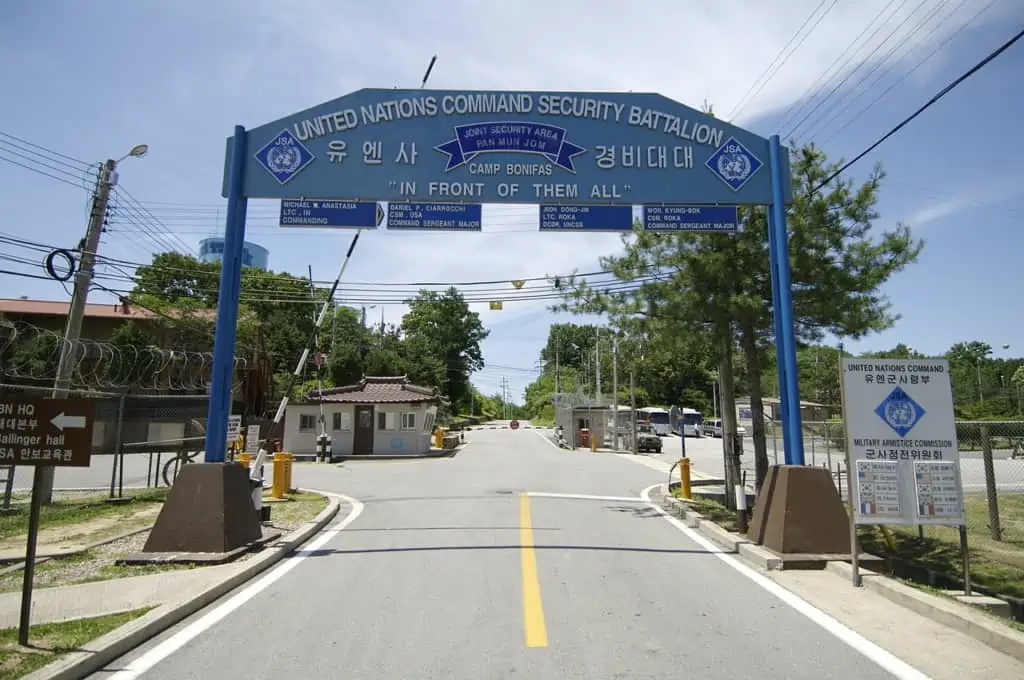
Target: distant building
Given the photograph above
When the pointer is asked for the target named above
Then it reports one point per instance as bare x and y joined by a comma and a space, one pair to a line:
253, 255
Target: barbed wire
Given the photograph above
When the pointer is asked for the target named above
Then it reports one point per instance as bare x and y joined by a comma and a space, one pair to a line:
32, 353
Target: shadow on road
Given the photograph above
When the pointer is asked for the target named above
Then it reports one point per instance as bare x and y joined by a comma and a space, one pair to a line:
323, 552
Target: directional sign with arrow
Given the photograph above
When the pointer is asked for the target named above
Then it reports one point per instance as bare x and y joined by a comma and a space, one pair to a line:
62, 421
54, 432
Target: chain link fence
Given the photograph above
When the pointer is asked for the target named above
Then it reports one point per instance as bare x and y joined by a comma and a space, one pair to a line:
138, 440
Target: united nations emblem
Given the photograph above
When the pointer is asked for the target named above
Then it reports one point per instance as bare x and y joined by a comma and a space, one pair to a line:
734, 166
284, 159
900, 413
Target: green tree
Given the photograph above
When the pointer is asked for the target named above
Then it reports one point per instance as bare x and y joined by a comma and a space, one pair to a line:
132, 362
442, 341
346, 341
718, 286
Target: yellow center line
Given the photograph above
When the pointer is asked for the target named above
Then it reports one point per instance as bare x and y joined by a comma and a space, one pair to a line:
533, 608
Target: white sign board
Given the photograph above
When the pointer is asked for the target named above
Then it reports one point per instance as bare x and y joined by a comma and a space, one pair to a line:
234, 428
252, 439
901, 441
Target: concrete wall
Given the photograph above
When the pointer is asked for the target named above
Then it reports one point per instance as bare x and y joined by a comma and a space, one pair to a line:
301, 428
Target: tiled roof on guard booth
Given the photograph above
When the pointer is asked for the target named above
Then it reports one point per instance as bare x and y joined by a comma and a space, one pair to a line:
376, 390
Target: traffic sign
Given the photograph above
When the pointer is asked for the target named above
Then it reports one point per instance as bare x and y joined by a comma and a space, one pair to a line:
46, 431
586, 217
902, 441
435, 216
234, 428
565, 148
702, 218
336, 214
252, 439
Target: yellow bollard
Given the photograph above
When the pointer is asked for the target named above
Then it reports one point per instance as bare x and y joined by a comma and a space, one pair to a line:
439, 438
289, 463
684, 479
593, 444
278, 487
244, 459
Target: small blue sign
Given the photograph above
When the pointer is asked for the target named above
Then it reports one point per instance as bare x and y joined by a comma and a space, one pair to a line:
698, 218
511, 147
284, 156
734, 164
435, 216
510, 137
332, 214
900, 412
586, 217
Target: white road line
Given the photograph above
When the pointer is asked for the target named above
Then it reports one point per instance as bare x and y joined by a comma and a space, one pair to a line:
584, 497
547, 439
213, 617
878, 655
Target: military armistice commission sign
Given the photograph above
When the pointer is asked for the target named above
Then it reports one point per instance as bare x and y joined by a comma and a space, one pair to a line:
46, 431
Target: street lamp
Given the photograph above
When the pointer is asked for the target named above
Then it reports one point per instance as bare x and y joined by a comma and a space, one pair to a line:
137, 151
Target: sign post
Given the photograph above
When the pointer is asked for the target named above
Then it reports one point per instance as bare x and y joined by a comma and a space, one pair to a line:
41, 433
903, 459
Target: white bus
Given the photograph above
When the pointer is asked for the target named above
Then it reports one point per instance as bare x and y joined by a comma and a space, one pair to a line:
687, 422
658, 417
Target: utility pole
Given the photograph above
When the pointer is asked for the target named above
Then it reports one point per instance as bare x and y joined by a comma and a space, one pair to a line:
632, 408
615, 393
981, 392
597, 362
556, 369
106, 180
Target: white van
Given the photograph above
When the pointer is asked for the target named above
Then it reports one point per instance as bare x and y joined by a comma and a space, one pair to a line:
713, 428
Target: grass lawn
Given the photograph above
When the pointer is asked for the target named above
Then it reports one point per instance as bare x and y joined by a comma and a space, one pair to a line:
998, 565
14, 522
48, 642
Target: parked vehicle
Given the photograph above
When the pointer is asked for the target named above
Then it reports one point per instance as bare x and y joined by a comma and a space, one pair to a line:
657, 417
686, 422
647, 438
713, 428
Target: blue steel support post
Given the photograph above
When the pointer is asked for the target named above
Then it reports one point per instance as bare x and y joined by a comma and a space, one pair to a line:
794, 440
773, 254
227, 306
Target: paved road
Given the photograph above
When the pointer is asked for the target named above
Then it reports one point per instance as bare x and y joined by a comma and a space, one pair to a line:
450, 571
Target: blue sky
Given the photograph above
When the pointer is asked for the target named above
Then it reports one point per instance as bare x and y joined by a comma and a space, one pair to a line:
90, 80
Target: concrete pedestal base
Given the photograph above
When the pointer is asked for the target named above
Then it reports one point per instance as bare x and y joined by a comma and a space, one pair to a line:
799, 511
208, 510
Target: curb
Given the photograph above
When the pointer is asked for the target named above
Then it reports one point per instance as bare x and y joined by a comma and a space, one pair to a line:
731, 542
944, 612
97, 653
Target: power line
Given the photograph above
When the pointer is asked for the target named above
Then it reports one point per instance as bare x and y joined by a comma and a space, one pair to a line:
841, 104
927, 105
911, 72
43, 247
838, 86
744, 101
803, 101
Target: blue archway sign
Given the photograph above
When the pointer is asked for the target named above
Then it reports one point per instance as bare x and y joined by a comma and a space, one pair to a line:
444, 152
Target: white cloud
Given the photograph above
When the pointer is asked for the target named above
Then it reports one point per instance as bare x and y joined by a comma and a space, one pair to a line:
950, 204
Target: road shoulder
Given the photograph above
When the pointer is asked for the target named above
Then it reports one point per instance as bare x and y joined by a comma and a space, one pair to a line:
937, 637
94, 655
